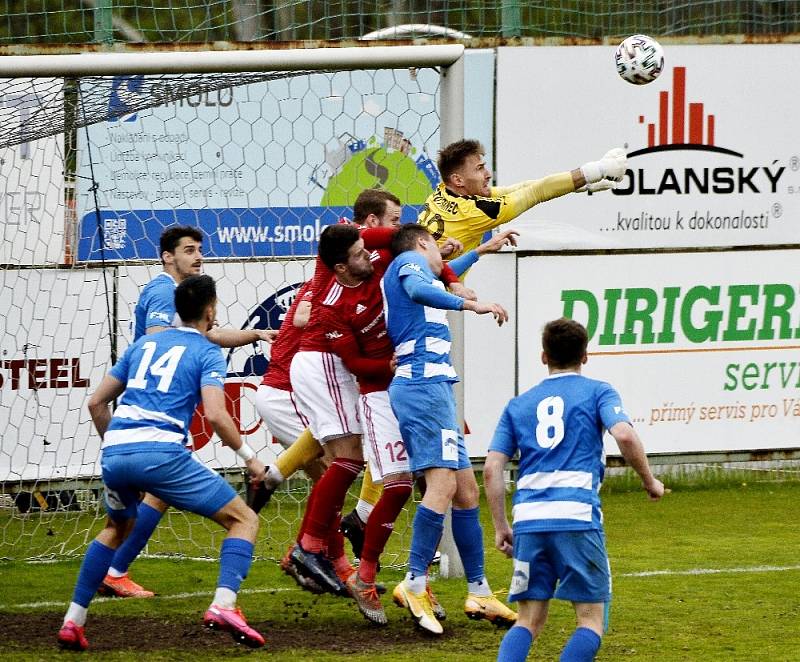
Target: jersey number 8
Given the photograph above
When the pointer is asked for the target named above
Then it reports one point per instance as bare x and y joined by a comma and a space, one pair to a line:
550, 429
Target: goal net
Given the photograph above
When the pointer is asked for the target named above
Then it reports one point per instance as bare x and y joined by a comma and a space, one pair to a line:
98, 155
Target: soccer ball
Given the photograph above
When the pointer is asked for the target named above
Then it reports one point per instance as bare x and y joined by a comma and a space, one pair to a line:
640, 59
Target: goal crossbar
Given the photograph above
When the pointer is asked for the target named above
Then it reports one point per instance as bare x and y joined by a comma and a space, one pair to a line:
115, 64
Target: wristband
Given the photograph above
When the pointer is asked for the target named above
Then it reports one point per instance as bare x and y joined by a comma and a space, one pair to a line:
592, 171
245, 452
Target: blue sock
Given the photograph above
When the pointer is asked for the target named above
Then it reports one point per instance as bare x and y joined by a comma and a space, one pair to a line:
581, 647
93, 569
147, 519
468, 536
515, 645
428, 526
235, 558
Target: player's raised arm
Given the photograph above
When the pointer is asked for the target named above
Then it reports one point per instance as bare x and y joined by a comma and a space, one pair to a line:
498, 242
483, 307
633, 451
594, 175
230, 338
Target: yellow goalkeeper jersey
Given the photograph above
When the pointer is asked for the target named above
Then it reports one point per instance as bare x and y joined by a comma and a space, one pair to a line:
467, 217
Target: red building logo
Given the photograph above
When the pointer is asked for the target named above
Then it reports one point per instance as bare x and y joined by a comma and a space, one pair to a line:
680, 127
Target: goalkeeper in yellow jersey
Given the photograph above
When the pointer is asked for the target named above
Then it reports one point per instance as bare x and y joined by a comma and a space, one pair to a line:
465, 206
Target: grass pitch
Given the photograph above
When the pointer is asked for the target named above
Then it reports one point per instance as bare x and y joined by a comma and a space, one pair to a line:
705, 574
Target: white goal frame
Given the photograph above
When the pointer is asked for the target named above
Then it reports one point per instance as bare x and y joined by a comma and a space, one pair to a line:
230, 61
449, 58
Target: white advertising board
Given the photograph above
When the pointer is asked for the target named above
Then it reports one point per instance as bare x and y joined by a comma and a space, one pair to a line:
260, 168
32, 182
712, 143
55, 347
702, 347
489, 351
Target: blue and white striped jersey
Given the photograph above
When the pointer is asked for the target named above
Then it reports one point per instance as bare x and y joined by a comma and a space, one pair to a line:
163, 374
420, 333
557, 427
156, 305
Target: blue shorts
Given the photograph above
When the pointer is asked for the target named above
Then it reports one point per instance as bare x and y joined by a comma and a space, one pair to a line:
568, 565
173, 475
428, 424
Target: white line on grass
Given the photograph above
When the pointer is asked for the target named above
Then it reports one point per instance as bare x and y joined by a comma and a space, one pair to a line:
203, 559
176, 596
710, 571
645, 573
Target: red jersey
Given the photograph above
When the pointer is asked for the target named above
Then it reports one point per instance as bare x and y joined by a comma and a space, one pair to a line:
355, 328
378, 240
314, 340
285, 347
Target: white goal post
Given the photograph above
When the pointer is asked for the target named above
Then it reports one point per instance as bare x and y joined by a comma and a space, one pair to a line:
229, 61
93, 168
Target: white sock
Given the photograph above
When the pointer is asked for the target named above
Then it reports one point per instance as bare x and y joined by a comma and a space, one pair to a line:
416, 584
363, 510
481, 587
225, 598
76, 614
273, 478
116, 573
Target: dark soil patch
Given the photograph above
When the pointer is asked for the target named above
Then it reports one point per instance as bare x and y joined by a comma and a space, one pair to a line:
112, 633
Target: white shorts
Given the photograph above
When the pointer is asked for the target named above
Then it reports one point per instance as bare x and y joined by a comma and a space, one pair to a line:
280, 414
383, 446
326, 394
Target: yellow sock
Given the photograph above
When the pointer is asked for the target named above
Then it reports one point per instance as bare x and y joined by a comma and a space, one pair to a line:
370, 492
304, 449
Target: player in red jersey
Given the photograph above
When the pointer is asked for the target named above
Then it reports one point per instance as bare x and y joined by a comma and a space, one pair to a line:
352, 316
276, 405
327, 394
274, 398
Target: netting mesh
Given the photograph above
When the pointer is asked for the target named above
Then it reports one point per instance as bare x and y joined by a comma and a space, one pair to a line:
33, 108
261, 168
37, 21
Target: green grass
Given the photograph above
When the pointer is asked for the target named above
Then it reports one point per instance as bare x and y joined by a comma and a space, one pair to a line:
728, 591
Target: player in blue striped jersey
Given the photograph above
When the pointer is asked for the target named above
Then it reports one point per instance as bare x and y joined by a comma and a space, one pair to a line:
182, 256
162, 378
421, 395
557, 540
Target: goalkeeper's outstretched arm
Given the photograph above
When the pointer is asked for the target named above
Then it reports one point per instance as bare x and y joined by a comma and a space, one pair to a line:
593, 176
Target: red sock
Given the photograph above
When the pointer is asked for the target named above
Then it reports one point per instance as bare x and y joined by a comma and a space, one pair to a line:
380, 525
342, 566
303, 524
335, 541
326, 502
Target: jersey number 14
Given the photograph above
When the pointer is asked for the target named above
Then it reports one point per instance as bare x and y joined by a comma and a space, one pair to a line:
164, 368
